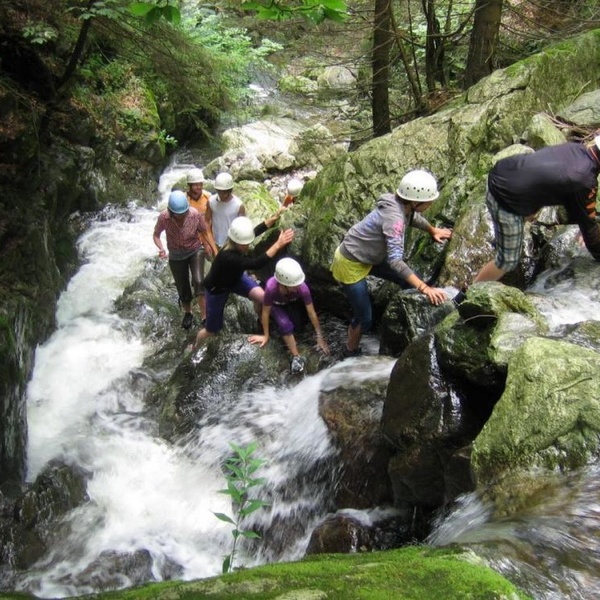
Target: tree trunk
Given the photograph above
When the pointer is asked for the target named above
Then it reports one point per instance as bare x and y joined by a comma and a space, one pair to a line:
483, 41
434, 48
382, 43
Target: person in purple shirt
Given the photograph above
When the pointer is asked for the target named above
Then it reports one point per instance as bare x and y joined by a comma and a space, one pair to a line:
285, 295
228, 272
519, 185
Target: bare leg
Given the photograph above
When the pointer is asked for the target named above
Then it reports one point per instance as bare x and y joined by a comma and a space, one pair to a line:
202, 306
290, 342
489, 272
202, 335
354, 335
256, 295
187, 307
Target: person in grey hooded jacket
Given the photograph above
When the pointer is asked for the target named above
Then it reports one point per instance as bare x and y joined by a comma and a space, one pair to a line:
375, 246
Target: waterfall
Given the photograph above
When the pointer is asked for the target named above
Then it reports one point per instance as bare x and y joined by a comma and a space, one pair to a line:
145, 495
150, 499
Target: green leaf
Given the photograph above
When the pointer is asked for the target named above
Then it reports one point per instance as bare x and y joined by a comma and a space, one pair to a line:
251, 535
252, 506
334, 15
337, 5
140, 9
172, 14
154, 15
227, 564
224, 517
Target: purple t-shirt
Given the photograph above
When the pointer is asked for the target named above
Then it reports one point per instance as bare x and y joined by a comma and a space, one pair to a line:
273, 294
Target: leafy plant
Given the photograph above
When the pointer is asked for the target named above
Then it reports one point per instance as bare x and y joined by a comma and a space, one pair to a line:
239, 473
39, 33
153, 12
314, 10
232, 51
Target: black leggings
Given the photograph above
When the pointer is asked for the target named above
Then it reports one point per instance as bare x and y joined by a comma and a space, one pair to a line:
181, 270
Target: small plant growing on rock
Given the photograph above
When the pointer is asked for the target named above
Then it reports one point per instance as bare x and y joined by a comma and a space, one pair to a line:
239, 473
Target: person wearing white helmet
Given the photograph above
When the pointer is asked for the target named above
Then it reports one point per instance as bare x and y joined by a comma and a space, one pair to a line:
186, 232
519, 186
223, 207
288, 301
375, 246
228, 272
293, 189
198, 198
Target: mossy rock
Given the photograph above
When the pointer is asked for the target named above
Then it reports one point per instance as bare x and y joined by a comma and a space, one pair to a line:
548, 417
416, 573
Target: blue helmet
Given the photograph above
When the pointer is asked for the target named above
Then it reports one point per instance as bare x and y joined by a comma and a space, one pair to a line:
178, 202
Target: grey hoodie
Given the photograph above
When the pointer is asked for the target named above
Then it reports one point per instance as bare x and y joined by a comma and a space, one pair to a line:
379, 236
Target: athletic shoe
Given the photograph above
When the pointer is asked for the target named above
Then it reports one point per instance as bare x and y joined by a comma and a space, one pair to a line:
351, 353
297, 365
187, 320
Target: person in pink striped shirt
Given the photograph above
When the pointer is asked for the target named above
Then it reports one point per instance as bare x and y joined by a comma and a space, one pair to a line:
187, 242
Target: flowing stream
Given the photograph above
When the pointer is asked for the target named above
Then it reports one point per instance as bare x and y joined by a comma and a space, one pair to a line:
148, 496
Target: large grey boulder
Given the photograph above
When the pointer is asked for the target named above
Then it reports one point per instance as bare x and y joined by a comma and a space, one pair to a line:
547, 419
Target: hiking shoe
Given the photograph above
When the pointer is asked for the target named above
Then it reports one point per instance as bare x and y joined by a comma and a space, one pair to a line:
187, 320
297, 365
459, 298
351, 353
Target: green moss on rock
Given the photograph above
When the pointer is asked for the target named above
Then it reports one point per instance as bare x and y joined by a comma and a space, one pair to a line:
409, 573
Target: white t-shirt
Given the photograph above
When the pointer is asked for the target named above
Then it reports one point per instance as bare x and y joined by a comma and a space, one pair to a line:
222, 215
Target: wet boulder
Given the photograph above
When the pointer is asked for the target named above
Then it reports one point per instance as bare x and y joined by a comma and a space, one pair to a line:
352, 412
223, 368
547, 419
347, 532
408, 316
36, 515
429, 422
474, 343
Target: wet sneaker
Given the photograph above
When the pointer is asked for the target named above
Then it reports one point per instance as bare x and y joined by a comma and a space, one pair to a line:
459, 298
187, 320
297, 365
350, 353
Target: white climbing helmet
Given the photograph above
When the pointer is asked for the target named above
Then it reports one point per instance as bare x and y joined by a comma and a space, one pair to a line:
294, 187
195, 176
241, 231
288, 272
418, 186
224, 182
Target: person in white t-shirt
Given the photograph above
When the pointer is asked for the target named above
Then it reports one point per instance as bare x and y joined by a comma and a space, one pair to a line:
223, 207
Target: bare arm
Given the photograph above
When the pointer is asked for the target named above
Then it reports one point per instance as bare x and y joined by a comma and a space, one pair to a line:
157, 242
314, 319
264, 338
435, 295
285, 237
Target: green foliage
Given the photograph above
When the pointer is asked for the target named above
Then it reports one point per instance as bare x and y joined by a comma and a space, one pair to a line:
316, 11
232, 51
114, 9
39, 33
100, 8
239, 474
153, 13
